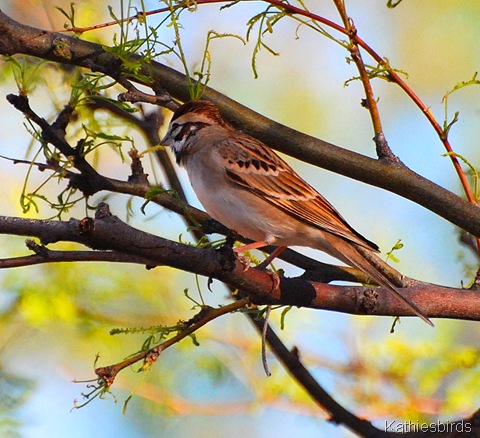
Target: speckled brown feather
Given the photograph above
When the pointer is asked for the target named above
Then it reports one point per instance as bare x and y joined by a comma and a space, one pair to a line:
259, 170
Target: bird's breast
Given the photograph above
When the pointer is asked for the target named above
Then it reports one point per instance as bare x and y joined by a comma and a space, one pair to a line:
244, 212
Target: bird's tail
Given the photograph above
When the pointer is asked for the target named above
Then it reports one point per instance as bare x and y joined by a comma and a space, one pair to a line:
364, 260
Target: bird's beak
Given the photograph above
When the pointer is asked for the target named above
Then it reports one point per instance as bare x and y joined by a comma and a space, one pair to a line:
167, 140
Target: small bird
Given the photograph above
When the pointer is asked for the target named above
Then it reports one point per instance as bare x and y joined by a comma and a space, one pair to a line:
247, 187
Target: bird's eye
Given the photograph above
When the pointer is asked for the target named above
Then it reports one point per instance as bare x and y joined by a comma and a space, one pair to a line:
174, 126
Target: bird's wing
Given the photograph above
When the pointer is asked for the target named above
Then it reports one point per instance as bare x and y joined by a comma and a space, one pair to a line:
253, 166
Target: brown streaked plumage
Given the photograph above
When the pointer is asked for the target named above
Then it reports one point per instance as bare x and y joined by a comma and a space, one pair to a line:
246, 186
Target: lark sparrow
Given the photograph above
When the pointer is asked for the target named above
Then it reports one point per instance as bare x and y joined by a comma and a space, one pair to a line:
247, 187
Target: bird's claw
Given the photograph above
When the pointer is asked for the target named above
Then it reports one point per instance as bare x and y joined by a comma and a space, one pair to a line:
275, 279
245, 261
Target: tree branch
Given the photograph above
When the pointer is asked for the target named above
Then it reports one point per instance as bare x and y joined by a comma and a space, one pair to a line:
102, 234
50, 256
16, 38
207, 314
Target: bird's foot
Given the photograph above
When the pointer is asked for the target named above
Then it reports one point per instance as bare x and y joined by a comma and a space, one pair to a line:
245, 261
275, 279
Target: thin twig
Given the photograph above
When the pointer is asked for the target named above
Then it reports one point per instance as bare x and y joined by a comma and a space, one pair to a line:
383, 150
51, 256
264, 340
207, 314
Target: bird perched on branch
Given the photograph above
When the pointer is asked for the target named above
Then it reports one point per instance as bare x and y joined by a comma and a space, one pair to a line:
247, 187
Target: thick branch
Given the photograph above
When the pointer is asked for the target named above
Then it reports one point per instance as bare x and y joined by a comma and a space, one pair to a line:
16, 38
102, 233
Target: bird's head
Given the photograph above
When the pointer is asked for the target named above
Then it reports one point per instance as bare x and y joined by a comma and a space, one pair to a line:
187, 121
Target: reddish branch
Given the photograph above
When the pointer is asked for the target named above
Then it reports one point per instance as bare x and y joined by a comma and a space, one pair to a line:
140, 247
383, 150
102, 234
